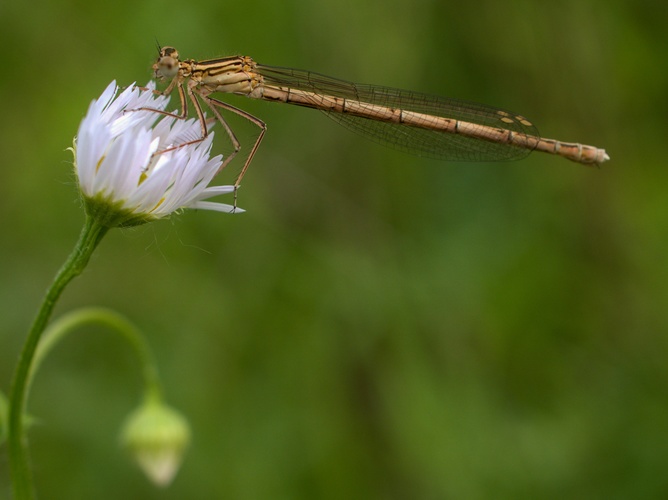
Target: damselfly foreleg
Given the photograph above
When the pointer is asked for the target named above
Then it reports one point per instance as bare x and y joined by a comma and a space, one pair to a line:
183, 114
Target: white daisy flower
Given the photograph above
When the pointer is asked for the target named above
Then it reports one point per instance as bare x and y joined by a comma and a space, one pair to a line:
126, 176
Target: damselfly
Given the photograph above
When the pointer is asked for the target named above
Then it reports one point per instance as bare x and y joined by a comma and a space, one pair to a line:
425, 125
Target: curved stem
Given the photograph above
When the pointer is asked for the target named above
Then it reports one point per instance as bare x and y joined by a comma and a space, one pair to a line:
90, 236
116, 322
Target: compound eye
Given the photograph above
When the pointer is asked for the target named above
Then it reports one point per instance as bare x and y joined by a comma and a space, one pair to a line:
169, 52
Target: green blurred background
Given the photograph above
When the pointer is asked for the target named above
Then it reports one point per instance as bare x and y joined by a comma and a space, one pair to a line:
376, 325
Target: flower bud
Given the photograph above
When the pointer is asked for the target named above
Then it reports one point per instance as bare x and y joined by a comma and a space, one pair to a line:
157, 437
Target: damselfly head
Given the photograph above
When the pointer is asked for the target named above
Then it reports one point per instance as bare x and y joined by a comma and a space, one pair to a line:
167, 65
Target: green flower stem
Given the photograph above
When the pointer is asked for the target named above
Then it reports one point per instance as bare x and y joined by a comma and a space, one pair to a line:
116, 322
91, 235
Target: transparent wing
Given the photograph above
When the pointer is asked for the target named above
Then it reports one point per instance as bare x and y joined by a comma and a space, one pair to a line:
414, 140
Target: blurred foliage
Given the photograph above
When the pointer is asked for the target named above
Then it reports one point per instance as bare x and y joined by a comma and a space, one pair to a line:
376, 325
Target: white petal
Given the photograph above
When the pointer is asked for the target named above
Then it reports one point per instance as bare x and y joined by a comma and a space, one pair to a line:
212, 191
218, 207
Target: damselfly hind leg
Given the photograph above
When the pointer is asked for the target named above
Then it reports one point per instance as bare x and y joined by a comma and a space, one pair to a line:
215, 103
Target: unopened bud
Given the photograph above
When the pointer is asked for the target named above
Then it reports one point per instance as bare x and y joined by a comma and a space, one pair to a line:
157, 437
